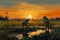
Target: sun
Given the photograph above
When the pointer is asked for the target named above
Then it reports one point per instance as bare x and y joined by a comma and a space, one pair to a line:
29, 16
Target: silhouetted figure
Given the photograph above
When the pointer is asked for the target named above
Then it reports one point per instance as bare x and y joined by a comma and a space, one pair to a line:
25, 30
46, 22
25, 23
47, 27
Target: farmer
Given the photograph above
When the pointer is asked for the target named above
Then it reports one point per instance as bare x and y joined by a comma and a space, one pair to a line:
46, 23
25, 30
25, 23
47, 27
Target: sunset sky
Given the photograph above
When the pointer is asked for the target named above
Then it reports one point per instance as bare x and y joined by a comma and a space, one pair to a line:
36, 8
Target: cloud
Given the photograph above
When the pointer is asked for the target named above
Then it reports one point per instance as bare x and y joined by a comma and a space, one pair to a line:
23, 9
9, 3
42, 2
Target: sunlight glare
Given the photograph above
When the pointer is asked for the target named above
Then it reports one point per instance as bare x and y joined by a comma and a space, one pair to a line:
30, 16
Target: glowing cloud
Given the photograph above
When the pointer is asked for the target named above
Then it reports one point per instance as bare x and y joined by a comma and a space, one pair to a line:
23, 10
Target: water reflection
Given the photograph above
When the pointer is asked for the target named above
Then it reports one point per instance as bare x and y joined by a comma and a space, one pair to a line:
31, 34
19, 36
38, 32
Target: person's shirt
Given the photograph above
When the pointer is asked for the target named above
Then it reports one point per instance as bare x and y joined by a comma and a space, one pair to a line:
25, 21
46, 20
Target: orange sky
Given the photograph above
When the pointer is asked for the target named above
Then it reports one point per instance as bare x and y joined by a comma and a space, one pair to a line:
22, 10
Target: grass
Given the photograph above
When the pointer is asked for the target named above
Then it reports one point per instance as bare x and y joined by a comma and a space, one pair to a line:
55, 33
33, 23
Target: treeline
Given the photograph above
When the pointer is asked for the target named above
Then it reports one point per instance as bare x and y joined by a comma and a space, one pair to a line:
57, 18
18, 19
3, 18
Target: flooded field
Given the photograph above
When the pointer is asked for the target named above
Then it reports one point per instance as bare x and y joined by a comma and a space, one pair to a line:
13, 30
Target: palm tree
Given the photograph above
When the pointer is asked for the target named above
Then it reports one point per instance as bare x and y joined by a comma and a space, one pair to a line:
6, 17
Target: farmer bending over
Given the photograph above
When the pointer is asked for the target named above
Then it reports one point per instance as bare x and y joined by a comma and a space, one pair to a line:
25, 23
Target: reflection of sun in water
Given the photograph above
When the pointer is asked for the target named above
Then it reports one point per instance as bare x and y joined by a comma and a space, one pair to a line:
29, 16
